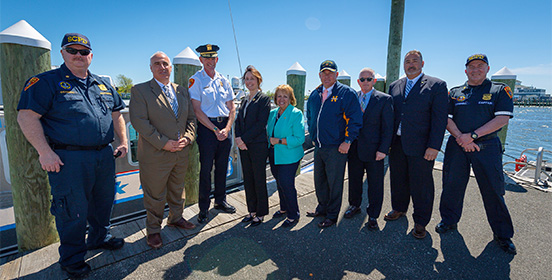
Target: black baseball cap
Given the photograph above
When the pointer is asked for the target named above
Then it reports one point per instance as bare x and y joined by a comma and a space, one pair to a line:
479, 56
75, 39
328, 65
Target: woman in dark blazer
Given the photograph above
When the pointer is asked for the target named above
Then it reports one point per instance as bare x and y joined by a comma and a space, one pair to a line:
286, 131
250, 129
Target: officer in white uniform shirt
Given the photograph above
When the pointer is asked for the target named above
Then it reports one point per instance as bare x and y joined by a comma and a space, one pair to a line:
212, 99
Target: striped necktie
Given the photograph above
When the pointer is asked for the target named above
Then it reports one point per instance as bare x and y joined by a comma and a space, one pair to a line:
172, 99
408, 88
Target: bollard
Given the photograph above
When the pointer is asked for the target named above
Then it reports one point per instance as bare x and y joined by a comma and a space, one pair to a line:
380, 83
297, 79
344, 78
504, 76
186, 64
395, 42
24, 53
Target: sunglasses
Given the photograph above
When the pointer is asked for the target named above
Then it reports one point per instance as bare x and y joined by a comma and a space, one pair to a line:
83, 52
366, 79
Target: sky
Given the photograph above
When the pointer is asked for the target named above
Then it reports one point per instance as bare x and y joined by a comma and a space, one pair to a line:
273, 35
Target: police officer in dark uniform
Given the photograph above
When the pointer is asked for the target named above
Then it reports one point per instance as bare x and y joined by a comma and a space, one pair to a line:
69, 115
477, 111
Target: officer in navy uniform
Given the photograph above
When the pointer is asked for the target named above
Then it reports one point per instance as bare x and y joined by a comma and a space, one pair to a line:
213, 102
69, 115
477, 111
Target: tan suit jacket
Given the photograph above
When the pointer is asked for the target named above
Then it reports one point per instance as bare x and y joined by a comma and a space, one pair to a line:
162, 172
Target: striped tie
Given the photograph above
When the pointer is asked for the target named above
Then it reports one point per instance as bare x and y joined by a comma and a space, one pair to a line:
408, 88
172, 99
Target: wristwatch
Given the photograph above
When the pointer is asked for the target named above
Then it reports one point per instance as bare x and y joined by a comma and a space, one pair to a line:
280, 141
474, 135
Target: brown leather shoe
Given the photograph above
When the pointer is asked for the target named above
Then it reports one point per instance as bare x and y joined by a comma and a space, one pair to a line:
183, 224
419, 231
393, 215
154, 240
326, 223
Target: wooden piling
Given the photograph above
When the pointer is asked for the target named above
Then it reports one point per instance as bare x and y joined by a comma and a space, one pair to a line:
186, 64
395, 42
24, 53
297, 80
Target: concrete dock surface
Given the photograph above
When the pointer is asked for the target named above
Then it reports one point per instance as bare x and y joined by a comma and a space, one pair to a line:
225, 248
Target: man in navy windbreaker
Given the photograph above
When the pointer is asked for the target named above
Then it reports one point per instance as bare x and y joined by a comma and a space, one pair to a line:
334, 119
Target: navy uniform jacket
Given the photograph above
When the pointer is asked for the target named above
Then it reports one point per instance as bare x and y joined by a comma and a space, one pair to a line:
377, 127
423, 114
335, 121
71, 114
471, 107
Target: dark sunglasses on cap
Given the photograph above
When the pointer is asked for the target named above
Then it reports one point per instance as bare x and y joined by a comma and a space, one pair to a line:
366, 79
83, 52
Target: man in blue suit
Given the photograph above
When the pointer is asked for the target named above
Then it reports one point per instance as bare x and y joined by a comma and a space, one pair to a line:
420, 104
370, 148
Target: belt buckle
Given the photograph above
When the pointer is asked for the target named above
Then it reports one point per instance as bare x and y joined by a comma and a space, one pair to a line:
220, 119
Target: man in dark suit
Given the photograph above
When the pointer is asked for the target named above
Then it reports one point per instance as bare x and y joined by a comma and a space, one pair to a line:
420, 104
163, 115
370, 148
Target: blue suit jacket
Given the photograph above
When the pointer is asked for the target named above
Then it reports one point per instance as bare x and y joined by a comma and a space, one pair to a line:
377, 127
423, 114
290, 126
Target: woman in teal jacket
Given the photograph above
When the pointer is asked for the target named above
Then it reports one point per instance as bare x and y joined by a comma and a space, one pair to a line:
286, 131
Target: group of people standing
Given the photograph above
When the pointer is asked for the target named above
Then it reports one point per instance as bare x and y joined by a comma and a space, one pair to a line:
70, 116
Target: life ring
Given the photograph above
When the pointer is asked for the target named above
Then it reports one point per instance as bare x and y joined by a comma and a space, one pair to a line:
522, 158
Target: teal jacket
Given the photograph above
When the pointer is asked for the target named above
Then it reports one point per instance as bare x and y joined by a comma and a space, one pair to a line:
291, 127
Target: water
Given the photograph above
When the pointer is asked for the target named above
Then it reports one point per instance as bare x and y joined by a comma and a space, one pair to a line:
531, 127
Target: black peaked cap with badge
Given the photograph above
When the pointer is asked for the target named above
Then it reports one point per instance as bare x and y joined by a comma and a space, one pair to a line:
208, 50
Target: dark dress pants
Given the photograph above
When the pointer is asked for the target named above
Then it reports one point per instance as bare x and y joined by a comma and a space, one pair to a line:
329, 170
487, 166
285, 181
212, 150
253, 162
411, 176
83, 191
374, 177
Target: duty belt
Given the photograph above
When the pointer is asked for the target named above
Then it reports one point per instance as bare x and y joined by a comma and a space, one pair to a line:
76, 148
486, 137
218, 119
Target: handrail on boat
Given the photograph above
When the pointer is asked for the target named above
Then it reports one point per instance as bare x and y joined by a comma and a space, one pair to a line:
538, 166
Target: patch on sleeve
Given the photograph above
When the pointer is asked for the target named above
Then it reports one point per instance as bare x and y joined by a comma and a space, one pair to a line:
31, 82
508, 91
191, 82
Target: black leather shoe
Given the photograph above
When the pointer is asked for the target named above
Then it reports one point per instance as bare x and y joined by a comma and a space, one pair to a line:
372, 224
111, 244
326, 223
279, 214
289, 223
442, 227
225, 207
77, 270
256, 221
202, 217
506, 244
247, 218
351, 211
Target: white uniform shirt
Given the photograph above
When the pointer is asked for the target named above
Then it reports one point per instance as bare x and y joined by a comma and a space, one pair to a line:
212, 93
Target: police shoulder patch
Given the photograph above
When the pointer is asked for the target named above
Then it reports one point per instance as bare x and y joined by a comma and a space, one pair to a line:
191, 82
102, 87
65, 85
508, 91
31, 82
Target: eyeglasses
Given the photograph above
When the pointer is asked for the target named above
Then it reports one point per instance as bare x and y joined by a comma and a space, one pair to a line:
366, 79
83, 52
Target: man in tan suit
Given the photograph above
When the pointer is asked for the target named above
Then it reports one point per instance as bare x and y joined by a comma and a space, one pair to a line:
163, 115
